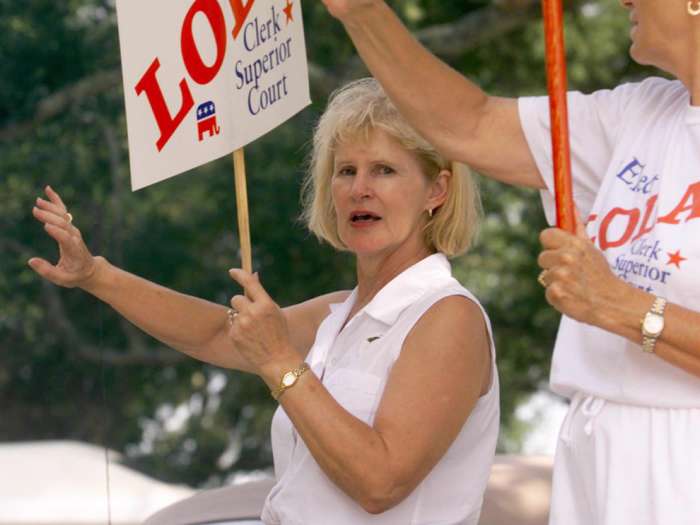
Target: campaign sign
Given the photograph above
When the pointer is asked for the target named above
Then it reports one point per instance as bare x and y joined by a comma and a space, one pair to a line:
203, 78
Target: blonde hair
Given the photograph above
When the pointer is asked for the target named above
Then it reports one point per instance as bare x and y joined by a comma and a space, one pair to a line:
354, 111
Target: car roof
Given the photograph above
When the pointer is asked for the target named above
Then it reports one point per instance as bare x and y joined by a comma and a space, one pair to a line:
212, 505
518, 492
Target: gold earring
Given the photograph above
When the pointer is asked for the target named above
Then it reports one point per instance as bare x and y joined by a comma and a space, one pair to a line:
430, 213
693, 10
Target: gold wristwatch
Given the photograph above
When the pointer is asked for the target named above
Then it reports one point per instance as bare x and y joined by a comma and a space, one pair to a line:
288, 380
653, 324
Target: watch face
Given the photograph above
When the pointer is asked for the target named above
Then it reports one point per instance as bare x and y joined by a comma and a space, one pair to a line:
653, 324
288, 379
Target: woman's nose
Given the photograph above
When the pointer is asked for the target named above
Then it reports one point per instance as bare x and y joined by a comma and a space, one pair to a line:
361, 185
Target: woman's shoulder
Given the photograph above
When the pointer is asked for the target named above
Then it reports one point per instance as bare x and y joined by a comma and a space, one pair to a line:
455, 322
455, 302
651, 91
450, 305
450, 291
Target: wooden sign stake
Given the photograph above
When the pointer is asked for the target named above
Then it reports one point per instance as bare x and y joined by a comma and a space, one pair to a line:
242, 209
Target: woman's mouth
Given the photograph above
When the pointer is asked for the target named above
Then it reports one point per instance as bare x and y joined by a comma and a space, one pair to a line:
363, 218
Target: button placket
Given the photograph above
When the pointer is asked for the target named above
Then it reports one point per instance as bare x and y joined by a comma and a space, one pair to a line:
338, 351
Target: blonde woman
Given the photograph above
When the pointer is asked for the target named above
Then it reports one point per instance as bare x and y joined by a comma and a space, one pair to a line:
388, 393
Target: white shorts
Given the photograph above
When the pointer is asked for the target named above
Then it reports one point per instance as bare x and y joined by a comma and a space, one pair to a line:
622, 464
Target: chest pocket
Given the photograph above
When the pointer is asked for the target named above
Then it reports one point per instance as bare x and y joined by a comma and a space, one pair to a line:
356, 391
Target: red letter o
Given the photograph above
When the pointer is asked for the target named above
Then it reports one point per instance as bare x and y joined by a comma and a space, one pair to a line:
198, 70
632, 221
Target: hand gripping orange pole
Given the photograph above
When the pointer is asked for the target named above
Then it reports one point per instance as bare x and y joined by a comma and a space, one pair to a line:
556, 86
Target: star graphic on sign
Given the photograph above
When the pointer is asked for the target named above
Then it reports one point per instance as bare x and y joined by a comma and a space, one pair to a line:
676, 258
288, 12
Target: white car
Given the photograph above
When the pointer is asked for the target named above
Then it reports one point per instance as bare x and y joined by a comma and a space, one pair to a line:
518, 492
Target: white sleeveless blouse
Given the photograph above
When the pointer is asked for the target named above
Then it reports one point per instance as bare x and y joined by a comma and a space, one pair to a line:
354, 364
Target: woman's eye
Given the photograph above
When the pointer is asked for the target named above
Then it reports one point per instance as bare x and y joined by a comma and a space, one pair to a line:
385, 170
346, 170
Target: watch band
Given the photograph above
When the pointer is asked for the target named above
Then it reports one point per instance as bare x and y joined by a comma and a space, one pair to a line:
649, 341
288, 380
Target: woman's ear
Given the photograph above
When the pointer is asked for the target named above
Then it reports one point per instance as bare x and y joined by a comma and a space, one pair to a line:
439, 188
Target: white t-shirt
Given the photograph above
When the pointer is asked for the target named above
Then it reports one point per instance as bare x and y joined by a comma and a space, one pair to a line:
354, 364
636, 176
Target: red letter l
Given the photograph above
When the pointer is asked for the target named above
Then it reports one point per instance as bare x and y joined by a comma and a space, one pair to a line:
166, 123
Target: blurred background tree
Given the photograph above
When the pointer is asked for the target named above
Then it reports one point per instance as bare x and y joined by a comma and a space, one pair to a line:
70, 368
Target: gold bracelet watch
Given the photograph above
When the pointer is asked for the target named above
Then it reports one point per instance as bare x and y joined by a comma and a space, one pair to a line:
653, 324
288, 380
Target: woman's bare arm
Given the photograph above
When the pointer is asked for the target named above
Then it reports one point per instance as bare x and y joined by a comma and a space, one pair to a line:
379, 465
451, 112
188, 324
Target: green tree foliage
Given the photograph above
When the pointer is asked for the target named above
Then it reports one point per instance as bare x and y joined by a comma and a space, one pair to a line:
70, 368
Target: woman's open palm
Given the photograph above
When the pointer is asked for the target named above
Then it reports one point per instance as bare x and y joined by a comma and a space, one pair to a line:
75, 264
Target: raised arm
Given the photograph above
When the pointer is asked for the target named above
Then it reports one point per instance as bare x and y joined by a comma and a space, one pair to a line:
454, 114
187, 324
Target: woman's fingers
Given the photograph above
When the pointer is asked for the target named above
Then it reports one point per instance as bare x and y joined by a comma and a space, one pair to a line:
40, 266
55, 205
75, 258
250, 283
60, 235
553, 238
48, 217
54, 197
50, 206
560, 257
48, 271
61, 231
240, 303
75, 263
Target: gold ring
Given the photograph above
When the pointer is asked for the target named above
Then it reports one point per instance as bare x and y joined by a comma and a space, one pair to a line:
540, 278
69, 218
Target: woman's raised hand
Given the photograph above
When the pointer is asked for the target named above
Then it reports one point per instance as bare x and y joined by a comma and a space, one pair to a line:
75, 265
343, 9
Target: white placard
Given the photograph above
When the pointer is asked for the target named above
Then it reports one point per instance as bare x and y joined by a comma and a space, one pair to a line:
203, 78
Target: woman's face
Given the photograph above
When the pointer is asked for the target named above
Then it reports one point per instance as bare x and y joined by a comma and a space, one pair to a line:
661, 33
381, 195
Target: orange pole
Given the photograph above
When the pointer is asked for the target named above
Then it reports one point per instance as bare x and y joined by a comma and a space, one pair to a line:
556, 86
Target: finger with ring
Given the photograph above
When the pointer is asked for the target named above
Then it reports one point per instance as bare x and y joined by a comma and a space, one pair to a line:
231, 314
240, 303
541, 279
69, 218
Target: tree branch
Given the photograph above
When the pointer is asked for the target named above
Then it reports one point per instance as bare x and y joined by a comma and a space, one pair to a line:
452, 40
58, 102
140, 353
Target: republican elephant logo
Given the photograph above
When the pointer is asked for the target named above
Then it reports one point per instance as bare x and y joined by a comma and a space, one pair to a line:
206, 120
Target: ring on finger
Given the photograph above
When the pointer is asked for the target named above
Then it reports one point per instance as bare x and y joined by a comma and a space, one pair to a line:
69, 218
231, 314
541, 279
